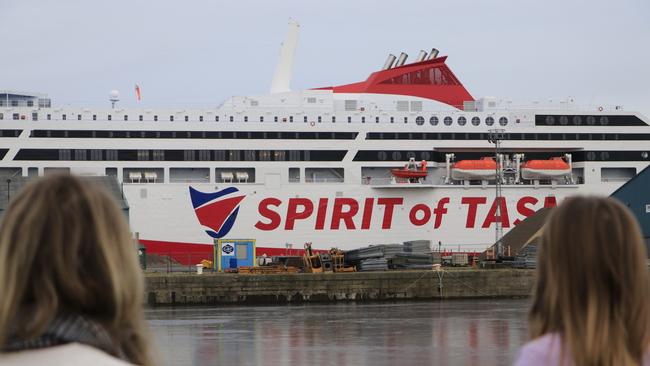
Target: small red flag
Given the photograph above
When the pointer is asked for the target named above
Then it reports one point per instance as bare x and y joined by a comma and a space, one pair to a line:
138, 96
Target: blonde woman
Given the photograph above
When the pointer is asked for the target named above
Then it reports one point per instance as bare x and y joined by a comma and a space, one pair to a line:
70, 285
591, 303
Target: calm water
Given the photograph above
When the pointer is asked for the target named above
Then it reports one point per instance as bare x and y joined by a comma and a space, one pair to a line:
464, 332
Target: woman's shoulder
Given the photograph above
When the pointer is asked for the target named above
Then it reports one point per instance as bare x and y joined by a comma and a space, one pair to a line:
544, 350
69, 354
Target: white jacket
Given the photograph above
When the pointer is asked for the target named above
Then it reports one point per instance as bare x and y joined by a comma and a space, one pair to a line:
69, 354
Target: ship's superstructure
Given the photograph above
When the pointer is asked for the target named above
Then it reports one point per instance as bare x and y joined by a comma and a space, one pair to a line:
403, 155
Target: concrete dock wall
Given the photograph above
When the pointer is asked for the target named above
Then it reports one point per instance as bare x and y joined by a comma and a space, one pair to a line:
222, 288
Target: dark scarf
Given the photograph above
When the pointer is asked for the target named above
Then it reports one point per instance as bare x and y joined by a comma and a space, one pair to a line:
67, 329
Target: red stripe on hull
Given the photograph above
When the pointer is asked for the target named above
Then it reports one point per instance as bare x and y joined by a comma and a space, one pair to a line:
193, 253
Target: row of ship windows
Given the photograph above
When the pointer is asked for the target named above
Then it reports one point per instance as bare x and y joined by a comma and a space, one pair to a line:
296, 155
506, 136
587, 120
290, 135
179, 155
194, 134
540, 120
419, 120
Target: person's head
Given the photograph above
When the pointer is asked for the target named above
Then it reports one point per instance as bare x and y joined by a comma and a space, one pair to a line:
593, 285
65, 248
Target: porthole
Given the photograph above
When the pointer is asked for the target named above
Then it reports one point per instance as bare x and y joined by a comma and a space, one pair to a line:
577, 120
426, 156
564, 120
419, 120
489, 121
396, 155
476, 121
447, 121
604, 121
382, 155
550, 120
644, 154
462, 121
591, 120
503, 121
433, 121
410, 155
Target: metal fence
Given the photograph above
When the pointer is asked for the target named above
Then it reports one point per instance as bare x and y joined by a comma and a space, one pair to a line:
176, 261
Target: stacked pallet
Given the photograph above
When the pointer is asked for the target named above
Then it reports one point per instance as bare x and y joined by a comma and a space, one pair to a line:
527, 257
373, 264
412, 261
373, 251
417, 246
410, 255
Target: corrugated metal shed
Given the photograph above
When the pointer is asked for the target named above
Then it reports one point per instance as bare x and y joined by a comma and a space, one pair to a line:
10, 186
635, 194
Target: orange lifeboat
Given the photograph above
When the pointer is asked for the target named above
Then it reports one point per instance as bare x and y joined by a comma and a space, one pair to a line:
545, 169
482, 169
411, 170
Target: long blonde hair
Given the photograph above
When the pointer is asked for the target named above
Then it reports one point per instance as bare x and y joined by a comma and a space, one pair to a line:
593, 285
65, 247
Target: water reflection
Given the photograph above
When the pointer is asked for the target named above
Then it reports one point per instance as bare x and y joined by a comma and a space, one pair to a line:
476, 332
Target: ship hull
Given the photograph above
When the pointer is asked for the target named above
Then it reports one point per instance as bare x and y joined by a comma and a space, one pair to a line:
339, 215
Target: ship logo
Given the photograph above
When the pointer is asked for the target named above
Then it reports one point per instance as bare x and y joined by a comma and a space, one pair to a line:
216, 211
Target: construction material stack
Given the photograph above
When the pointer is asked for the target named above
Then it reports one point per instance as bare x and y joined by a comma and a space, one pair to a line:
410, 255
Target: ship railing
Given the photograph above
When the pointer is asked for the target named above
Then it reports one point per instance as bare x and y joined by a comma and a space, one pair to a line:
383, 181
615, 179
324, 180
174, 261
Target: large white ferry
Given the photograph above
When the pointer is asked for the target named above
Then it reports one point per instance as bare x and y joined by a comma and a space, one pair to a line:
405, 154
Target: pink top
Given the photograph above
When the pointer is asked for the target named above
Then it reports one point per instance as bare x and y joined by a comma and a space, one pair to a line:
546, 349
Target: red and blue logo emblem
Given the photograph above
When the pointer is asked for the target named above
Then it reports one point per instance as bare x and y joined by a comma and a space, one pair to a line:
216, 211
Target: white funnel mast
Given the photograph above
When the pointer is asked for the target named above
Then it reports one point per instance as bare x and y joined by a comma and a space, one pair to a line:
282, 76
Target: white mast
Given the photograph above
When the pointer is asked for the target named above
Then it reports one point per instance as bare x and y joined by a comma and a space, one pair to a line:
282, 76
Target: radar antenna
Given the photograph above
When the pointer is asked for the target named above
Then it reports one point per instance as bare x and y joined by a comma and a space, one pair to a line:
114, 97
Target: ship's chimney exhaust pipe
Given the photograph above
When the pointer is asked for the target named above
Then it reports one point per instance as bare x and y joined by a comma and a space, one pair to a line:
282, 76
421, 56
402, 59
433, 54
389, 62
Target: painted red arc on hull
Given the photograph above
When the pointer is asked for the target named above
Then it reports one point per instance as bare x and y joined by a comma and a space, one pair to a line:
430, 79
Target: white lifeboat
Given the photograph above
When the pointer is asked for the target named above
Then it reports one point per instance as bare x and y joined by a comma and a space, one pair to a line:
545, 169
482, 169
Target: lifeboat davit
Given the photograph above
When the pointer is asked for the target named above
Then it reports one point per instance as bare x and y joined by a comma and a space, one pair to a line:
483, 169
411, 170
545, 169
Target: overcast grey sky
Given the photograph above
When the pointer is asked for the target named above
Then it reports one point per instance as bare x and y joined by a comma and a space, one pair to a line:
197, 52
